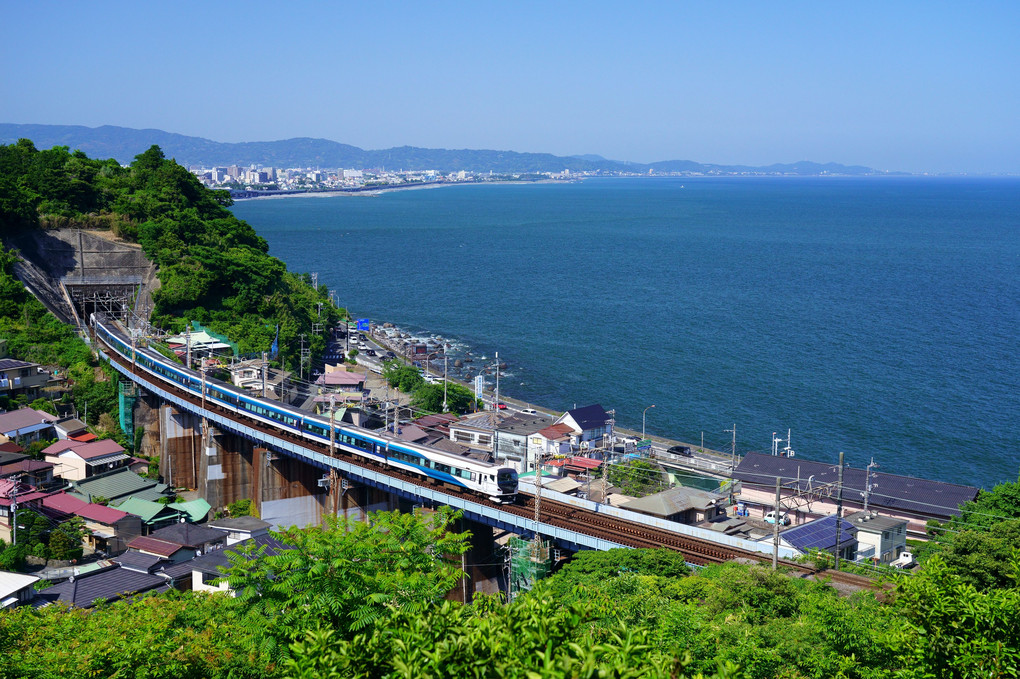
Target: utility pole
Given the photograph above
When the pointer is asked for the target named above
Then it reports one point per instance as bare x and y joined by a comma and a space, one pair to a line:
187, 344
538, 506
775, 530
839, 506
332, 430
497, 380
301, 361
733, 459
446, 360
867, 483
265, 366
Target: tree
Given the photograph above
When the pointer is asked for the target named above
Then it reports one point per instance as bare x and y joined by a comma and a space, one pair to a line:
636, 477
429, 398
69, 536
346, 574
955, 630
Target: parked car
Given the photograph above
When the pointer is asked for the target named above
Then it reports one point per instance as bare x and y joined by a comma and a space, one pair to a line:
784, 519
680, 450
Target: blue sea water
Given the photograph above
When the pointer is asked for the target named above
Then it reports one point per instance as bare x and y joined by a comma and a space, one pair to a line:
875, 316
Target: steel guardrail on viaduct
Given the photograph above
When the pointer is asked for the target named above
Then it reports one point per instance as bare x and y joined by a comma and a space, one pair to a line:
498, 516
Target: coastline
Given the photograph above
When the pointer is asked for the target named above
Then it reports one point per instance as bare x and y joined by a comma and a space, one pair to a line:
377, 190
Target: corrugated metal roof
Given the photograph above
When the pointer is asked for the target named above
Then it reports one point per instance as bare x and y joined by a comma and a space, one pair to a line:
120, 483
189, 535
674, 501
905, 493
24, 419
111, 584
151, 545
147, 510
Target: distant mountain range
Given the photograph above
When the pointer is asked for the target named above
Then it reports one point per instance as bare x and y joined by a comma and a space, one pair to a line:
123, 144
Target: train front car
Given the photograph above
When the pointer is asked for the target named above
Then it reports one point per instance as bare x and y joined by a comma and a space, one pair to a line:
506, 482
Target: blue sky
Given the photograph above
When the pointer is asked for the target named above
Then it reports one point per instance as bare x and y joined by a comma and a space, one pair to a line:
916, 86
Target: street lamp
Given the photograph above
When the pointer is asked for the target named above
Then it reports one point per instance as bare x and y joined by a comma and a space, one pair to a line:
643, 421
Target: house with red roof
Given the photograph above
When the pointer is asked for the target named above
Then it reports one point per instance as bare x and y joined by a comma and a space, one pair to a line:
110, 529
78, 460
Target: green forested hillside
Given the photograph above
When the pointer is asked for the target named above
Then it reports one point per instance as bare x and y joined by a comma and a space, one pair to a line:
213, 267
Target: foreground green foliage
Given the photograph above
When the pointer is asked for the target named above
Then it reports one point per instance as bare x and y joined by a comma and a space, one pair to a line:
359, 600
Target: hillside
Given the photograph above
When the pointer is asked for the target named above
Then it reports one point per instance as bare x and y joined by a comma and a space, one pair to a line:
123, 144
212, 267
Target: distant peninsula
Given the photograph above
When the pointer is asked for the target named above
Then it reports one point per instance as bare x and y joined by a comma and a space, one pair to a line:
123, 144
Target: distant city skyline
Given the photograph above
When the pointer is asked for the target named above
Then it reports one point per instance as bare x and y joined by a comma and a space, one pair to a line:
909, 86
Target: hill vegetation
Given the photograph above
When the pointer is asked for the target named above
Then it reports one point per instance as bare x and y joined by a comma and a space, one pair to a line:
123, 143
367, 600
213, 267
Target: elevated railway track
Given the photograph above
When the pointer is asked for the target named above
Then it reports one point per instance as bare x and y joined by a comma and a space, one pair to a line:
566, 520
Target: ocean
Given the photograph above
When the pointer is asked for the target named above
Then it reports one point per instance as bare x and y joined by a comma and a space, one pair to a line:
876, 316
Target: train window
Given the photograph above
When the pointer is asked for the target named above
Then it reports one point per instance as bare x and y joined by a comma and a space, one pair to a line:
474, 476
440, 467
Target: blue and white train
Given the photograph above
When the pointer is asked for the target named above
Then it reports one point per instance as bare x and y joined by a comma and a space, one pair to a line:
495, 482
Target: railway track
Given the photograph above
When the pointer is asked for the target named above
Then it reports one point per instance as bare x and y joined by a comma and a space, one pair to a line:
628, 533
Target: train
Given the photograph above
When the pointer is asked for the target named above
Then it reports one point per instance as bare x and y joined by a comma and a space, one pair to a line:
498, 483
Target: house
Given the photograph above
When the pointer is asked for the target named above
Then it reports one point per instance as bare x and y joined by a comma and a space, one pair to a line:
75, 461
11, 452
171, 551
152, 515
512, 436
16, 589
880, 539
551, 442
680, 504
118, 485
241, 528
11, 491
248, 375
33, 472
109, 529
592, 426
820, 535
809, 489
26, 425
342, 386
476, 431
210, 567
109, 583
69, 427
200, 539
22, 378
438, 425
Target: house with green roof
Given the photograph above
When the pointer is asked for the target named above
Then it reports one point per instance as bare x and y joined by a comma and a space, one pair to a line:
119, 485
156, 515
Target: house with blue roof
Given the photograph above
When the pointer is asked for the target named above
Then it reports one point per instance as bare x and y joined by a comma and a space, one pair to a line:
591, 426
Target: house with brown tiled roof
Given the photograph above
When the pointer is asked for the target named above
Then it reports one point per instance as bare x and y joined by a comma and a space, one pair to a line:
171, 551
75, 460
